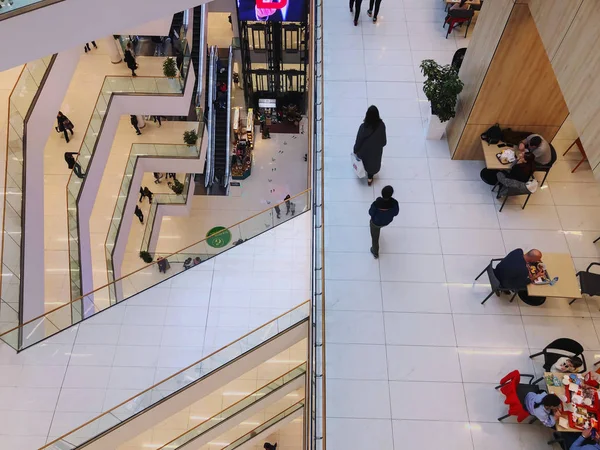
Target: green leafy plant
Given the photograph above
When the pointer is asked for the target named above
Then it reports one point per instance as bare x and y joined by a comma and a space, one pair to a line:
176, 186
170, 68
190, 137
146, 257
441, 87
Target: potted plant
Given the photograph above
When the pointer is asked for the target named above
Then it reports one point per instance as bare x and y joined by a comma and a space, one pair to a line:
170, 68
176, 186
441, 88
190, 137
146, 257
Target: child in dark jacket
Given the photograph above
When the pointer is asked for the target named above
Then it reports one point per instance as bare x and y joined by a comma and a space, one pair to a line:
382, 212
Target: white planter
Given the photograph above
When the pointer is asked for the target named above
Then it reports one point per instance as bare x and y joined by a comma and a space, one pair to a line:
435, 128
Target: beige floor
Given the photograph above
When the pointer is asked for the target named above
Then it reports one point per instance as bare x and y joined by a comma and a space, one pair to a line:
78, 105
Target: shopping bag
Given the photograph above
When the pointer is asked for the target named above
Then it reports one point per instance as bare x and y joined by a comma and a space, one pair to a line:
357, 165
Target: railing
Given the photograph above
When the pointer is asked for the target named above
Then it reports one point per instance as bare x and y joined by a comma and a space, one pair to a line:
236, 408
137, 151
20, 104
315, 416
59, 319
163, 199
113, 85
228, 141
266, 425
11, 8
180, 380
210, 152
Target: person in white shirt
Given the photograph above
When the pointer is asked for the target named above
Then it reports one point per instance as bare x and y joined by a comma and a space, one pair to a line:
544, 406
567, 365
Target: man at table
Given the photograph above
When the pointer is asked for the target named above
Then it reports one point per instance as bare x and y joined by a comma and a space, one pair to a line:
537, 145
587, 441
513, 273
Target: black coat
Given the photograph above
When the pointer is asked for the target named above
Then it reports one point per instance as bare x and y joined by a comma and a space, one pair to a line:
130, 60
369, 146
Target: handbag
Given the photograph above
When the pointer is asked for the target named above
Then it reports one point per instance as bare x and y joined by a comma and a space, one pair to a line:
358, 166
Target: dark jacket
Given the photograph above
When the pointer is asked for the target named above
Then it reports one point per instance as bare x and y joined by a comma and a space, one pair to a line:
383, 211
521, 172
70, 159
64, 123
129, 59
512, 271
369, 146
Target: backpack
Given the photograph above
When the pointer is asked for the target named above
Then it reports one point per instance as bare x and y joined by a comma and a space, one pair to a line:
493, 135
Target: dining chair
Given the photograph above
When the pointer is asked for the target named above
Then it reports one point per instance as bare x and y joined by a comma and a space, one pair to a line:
515, 393
546, 167
494, 282
588, 281
456, 17
507, 187
559, 348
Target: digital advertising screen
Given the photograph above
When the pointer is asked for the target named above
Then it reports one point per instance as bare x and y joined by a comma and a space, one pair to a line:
272, 11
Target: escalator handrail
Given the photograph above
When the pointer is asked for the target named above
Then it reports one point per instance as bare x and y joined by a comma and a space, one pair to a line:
228, 139
154, 386
253, 394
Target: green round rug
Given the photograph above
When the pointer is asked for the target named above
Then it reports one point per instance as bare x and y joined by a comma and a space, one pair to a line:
218, 237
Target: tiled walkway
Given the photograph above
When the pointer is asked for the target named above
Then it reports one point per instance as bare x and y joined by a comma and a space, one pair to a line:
412, 356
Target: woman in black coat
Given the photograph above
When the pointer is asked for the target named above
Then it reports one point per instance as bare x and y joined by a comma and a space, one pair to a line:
370, 140
130, 59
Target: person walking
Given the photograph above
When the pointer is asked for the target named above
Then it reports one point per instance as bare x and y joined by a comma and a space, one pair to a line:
371, 12
370, 140
73, 164
148, 193
288, 204
140, 215
278, 211
134, 122
129, 58
157, 119
87, 48
356, 5
64, 124
382, 212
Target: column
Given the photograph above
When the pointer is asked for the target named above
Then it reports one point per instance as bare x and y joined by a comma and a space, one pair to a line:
112, 48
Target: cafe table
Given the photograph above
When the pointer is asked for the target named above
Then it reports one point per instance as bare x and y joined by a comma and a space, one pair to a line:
558, 265
489, 153
560, 391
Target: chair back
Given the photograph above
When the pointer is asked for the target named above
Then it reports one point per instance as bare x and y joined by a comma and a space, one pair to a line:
461, 13
494, 282
509, 387
560, 348
553, 155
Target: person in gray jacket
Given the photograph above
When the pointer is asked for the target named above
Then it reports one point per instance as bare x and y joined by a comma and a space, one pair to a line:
370, 141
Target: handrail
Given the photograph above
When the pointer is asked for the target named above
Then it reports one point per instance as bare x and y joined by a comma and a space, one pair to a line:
257, 392
266, 425
181, 371
228, 138
31, 323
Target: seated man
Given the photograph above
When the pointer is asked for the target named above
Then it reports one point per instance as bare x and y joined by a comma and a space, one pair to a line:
539, 147
513, 273
587, 441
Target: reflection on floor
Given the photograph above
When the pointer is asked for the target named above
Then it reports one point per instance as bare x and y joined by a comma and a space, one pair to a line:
221, 399
57, 385
412, 356
78, 105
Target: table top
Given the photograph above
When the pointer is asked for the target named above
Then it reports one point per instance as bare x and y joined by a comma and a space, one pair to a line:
558, 265
560, 391
469, 2
489, 153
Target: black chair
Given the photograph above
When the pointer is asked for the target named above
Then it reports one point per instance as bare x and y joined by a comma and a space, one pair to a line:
565, 440
496, 285
546, 167
558, 349
508, 187
589, 281
522, 390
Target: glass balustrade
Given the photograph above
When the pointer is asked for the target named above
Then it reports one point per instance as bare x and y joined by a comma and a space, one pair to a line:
180, 380
236, 408
20, 105
266, 425
113, 85
10, 8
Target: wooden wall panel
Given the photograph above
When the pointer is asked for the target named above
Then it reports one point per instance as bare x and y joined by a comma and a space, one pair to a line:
577, 67
552, 19
520, 86
470, 143
486, 35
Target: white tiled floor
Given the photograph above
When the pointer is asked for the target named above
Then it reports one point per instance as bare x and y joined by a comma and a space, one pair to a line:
412, 356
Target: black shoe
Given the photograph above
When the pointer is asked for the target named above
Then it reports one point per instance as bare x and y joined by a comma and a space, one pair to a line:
374, 19
356, 23
375, 255
369, 12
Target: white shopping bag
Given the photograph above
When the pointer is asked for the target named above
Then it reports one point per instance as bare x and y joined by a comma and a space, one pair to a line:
357, 165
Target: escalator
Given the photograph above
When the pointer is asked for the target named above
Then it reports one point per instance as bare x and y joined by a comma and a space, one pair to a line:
221, 121
197, 41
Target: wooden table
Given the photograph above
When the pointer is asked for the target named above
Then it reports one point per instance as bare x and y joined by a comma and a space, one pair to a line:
560, 391
469, 2
558, 265
489, 153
